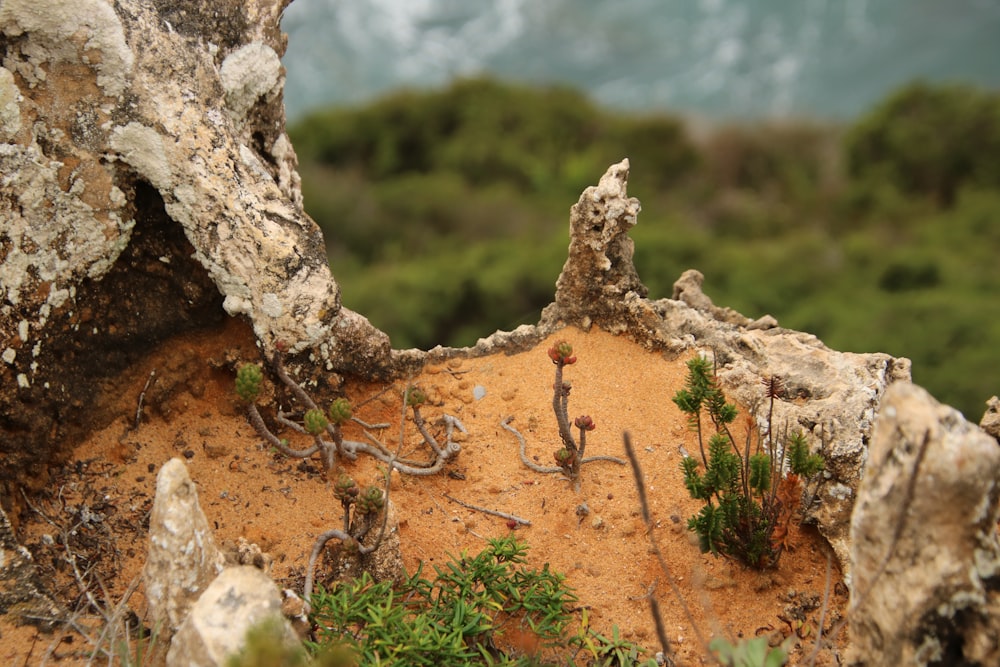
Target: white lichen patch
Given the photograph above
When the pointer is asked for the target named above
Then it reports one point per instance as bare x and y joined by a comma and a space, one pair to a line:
249, 73
235, 305
67, 31
54, 236
10, 110
840, 491
271, 305
142, 148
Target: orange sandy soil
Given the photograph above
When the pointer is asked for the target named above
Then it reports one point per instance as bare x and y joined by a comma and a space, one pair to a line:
283, 504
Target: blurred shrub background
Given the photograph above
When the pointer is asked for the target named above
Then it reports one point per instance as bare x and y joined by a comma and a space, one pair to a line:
446, 214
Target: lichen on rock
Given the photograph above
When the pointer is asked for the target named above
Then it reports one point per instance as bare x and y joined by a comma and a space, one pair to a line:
924, 539
149, 189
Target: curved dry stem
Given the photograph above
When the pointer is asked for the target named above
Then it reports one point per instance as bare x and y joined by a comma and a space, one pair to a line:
640, 486
313, 556
523, 450
258, 423
602, 457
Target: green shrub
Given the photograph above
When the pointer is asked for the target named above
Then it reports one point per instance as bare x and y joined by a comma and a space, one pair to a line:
748, 653
749, 500
929, 141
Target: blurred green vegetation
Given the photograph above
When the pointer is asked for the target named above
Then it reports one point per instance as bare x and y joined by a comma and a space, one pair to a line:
446, 214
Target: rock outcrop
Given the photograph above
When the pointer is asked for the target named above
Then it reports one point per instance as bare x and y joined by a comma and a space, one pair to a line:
831, 396
149, 188
201, 607
924, 539
183, 558
991, 418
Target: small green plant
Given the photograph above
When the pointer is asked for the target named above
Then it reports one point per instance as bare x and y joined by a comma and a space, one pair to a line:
267, 645
362, 508
610, 651
325, 426
570, 456
462, 616
748, 653
750, 496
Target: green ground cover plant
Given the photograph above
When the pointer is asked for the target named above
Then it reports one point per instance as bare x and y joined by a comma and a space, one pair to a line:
460, 617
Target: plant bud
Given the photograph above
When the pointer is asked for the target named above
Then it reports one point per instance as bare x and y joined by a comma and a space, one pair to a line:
340, 411
415, 397
371, 501
346, 489
314, 422
585, 423
562, 353
248, 381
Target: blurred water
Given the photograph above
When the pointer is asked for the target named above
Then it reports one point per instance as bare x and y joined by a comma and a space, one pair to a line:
712, 58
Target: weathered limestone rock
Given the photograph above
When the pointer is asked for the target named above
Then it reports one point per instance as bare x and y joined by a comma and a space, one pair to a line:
183, 558
237, 600
148, 188
925, 553
991, 418
22, 593
830, 396
599, 275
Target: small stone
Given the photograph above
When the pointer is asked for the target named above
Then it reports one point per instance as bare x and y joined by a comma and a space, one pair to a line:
215, 449
183, 557
714, 583
237, 600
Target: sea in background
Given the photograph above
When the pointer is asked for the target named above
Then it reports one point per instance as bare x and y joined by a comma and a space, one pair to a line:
713, 59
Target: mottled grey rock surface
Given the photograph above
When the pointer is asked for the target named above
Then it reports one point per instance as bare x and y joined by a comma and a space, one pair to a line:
149, 188
924, 539
183, 558
239, 599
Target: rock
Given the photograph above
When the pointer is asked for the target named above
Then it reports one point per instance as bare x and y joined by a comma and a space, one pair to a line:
991, 418
183, 558
830, 396
149, 189
240, 598
599, 274
687, 288
924, 541
22, 592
